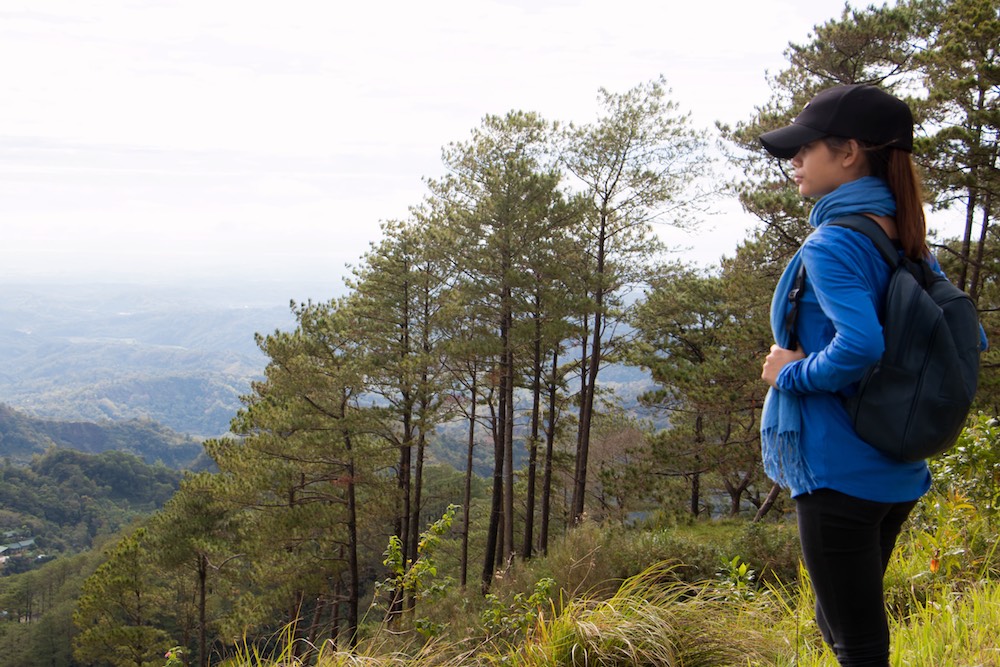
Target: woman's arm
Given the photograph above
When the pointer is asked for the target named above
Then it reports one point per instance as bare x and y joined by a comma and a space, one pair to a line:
834, 267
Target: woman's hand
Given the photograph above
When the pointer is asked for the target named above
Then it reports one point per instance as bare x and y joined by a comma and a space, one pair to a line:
778, 359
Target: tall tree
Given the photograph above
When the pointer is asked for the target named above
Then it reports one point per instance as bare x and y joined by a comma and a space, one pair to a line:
637, 164
961, 68
551, 302
196, 534
702, 335
305, 456
116, 613
500, 198
399, 292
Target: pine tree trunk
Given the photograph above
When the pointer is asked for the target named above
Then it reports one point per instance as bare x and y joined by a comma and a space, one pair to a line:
536, 405
970, 209
496, 501
550, 436
418, 481
584, 377
202, 613
695, 506
508, 432
974, 283
402, 527
354, 587
587, 400
467, 495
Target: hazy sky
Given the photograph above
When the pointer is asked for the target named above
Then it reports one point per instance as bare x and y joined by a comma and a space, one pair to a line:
147, 139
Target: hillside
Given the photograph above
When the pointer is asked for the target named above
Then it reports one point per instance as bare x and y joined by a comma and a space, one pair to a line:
178, 356
64, 500
22, 437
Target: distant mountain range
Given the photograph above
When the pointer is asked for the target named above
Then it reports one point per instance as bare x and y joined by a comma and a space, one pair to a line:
178, 356
24, 437
171, 355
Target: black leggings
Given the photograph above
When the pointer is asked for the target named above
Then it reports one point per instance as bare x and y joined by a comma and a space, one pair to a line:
846, 544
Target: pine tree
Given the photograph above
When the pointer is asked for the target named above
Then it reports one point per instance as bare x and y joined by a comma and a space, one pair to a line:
636, 165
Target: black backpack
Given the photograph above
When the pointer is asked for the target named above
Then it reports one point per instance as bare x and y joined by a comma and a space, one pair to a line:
913, 402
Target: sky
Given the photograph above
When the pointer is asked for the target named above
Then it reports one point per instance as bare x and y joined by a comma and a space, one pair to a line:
156, 140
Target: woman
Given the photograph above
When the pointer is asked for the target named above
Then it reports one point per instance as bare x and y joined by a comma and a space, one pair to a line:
850, 148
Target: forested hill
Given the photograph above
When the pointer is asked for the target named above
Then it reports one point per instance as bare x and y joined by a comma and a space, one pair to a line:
23, 436
63, 500
178, 355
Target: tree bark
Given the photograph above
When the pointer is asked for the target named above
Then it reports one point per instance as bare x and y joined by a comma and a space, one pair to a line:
202, 612
550, 436
467, 494
536, 406
765, 506
508, 431
496, 501
587, 403
579, 475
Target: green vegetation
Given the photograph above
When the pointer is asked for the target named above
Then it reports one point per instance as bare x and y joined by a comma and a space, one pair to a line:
64, 500
69, 505
721, 611
24, 437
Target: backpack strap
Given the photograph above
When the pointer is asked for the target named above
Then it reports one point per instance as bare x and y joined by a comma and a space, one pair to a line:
792, 314
861, 224
874, 231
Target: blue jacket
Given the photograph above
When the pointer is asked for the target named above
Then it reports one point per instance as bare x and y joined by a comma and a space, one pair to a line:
839, 330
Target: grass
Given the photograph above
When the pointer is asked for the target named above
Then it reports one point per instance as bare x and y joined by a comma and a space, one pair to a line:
655, 620
718, 595
952, 629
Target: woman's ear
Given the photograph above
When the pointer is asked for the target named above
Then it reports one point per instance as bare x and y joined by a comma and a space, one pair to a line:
853, 156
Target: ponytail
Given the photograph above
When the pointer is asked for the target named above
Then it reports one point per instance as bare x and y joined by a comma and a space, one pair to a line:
896, 168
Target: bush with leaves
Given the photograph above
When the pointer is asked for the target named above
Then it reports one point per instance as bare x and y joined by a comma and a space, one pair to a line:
972, 467
415, 578
512, 620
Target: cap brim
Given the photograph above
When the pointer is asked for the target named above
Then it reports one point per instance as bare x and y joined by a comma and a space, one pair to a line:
784, 143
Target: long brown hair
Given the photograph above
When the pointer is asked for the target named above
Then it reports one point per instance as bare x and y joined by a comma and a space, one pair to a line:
896, 168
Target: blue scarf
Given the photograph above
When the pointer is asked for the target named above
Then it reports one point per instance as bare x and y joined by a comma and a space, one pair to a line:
781, 419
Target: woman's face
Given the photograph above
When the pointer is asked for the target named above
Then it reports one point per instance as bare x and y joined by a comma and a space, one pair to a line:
820, 170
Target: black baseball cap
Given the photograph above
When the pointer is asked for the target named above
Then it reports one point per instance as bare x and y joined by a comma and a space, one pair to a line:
857, 111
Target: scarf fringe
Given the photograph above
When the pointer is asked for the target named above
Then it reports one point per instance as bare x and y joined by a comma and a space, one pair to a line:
783, 460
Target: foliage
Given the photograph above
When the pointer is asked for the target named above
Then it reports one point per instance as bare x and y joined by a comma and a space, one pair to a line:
117, 610
417, 577
37, 626
702, 336
174, 656
66, 499
972, 467
639, 163
737, 581
512, 620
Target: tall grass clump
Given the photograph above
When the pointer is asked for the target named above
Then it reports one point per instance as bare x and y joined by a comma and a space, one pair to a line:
654, 620
288, 651
951, 629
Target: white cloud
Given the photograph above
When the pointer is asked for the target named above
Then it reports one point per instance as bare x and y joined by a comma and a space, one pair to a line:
139, 135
